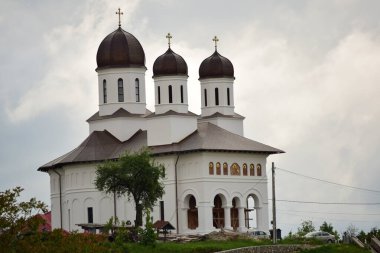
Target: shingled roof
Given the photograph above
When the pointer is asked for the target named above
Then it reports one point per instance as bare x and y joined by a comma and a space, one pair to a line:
102, 145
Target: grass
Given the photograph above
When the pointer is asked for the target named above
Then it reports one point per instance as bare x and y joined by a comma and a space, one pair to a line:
337, 248
194, 247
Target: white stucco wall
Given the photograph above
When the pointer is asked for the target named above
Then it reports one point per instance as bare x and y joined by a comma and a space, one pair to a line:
233, 125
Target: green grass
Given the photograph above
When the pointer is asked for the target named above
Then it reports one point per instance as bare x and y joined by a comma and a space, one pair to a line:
341, 248
194, 247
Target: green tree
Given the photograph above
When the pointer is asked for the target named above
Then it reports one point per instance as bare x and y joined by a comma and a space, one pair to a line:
306, 227
136, 175
327, 227
17, 217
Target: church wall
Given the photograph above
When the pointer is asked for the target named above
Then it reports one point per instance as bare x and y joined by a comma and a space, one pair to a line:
169, 129
116, 126
233, 125
128, 75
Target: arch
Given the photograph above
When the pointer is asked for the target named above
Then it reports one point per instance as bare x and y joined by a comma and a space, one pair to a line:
211, 168
259, 170
251, 169
159, 94
245, 169
225, 168
120, 90
170, 88
216, 96
185, 195
182, 94
228, 96
218, 169
235, 213
235, 169
192, 212
205, 94
218, 212
251, 215
104, 91
137, 89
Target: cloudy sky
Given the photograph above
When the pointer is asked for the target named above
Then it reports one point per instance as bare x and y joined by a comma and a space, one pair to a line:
307, 81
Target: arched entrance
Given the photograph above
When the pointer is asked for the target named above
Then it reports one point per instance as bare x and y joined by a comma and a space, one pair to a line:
192, 213
234, 214
218, 212
251, 212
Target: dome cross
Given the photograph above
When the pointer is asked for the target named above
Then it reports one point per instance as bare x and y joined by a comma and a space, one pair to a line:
119, 13
215, 39
169, 37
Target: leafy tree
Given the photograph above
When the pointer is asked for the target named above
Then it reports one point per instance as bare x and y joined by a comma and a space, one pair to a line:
351, 230
327, 227
17, 217
306, 227
136, 175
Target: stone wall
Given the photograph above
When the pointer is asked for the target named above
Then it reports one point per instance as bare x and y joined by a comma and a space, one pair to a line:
268, 249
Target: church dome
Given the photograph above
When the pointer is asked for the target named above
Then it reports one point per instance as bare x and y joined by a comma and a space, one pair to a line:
169, 64
216, 66
120, 49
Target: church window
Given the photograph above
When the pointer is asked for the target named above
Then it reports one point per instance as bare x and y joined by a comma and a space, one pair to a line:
218, 212
218, 169
205, 97
245, 169
251, 169
216, 96
159, 94
235, 169
228, 96
120, 90
170, 94
225, 169
258, 170
182, 94
137, 88
211, 168
90, 215
104, 91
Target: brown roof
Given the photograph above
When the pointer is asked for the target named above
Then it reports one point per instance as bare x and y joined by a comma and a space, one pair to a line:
171, 112
169, 64
218, 114
216, 66
102, 145
118, 114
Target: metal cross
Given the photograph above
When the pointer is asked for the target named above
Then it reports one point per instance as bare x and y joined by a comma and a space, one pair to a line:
215, 39
169, 36
119, 13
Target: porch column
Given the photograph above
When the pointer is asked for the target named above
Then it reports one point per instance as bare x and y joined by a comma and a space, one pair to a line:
227, 217
205, 218
242, 227
183, 220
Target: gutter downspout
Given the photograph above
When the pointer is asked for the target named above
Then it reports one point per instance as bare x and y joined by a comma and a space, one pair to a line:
60, 197
176, 191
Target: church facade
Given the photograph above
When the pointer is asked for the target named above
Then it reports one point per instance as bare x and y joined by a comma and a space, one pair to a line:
212, 171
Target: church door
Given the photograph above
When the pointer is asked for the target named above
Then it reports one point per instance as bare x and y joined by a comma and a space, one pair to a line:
192, 214
218, 213
234, 215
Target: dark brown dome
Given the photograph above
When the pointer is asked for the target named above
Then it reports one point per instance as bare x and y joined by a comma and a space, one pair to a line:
169, 64
216, 66
120, 49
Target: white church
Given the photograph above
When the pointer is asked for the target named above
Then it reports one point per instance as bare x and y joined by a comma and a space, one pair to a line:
212, 170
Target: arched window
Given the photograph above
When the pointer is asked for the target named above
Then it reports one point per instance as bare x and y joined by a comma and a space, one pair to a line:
159, 94
228, 96
104, 91
251, 169
258, 170
218, 169
192, 213
245, 169
137, 89
235, 169
182, 94
225, 169
211, 168
170, 94
216, 96
218, 213
205, 97
120, 90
